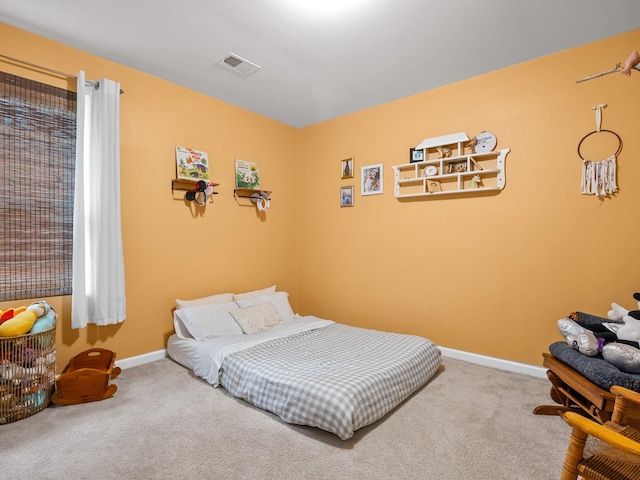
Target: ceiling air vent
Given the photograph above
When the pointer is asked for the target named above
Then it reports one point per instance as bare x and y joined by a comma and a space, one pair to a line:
239, 64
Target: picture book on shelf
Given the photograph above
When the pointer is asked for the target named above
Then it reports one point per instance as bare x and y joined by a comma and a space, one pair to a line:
191, 164
247, 174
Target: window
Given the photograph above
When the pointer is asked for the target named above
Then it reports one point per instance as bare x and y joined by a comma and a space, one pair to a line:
37, 158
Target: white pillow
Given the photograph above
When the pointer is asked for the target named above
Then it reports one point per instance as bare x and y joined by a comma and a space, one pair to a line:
210, 300
253, 293
280, 301
179, 327
208, 321
256, 318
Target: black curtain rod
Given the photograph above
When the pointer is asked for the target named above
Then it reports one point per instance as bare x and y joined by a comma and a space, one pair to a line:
50, 70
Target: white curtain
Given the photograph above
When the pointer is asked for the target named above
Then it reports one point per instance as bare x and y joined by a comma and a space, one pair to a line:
98, 265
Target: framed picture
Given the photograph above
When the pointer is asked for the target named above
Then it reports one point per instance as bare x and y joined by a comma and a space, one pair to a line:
371, 179
346, 196
433, 186
456, 167
347, 168
416, 155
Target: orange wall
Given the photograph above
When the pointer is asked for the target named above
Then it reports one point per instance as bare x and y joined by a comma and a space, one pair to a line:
488, 274
171, 249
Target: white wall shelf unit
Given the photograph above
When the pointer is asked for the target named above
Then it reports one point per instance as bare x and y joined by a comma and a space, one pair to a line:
455, 173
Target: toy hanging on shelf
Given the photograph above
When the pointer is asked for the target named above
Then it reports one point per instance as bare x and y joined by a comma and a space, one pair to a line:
599, 178
201, 193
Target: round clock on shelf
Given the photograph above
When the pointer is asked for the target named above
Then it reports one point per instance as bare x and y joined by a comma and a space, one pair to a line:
430, 171
485, 142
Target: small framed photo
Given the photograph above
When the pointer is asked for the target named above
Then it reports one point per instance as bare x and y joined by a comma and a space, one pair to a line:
433, 186
416, 155
456, 167
347, 168
346, 196
371, 179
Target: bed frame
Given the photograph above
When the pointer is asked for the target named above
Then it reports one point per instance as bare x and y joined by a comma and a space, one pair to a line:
574, 393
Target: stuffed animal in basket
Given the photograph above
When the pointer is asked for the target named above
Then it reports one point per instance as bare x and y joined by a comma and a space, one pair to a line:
37, 317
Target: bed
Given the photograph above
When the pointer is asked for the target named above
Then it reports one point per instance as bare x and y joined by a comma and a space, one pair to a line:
306, 370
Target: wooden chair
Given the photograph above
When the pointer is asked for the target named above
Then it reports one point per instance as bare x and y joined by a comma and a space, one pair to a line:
573, 392
619, 456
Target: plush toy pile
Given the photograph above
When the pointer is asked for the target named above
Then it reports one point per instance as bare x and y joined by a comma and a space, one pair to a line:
37, 317
27, 362
615, 338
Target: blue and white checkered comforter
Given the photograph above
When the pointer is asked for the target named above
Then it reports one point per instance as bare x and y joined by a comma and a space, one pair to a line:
337, 378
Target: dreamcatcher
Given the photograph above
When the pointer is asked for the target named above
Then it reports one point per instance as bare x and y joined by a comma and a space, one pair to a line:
599, 178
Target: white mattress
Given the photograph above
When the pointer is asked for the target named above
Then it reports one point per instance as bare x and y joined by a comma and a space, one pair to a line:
314, 372
182, 350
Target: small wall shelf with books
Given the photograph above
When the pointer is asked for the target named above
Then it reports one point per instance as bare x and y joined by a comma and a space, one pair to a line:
248, 185
443, 168
192, 175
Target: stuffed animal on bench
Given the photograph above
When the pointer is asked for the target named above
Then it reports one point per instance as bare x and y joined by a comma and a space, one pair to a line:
616, 338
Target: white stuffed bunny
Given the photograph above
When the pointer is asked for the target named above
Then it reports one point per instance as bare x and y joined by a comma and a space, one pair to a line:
630, 330
617, 312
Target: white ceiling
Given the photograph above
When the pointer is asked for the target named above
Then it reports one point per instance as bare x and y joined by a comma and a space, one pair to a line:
317, 65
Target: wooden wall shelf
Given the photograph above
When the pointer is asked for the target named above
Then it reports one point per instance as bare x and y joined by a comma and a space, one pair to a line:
181, 184
247, 192
471, 173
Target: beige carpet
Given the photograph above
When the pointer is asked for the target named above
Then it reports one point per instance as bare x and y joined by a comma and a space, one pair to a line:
470, 422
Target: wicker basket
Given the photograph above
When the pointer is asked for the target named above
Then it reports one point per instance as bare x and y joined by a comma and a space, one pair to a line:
27, 374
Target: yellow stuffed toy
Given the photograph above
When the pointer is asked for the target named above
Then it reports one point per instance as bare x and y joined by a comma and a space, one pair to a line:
19, 325
23, 321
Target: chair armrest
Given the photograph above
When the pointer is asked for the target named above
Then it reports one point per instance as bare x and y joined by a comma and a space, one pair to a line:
610, 437
626, 393
626, 409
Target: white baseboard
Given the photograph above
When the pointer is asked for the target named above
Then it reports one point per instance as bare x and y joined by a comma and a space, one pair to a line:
493, 362
141, 359
475, 358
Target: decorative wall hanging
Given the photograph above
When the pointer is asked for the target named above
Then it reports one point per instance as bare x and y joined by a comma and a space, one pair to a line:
485, 142
599, 178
